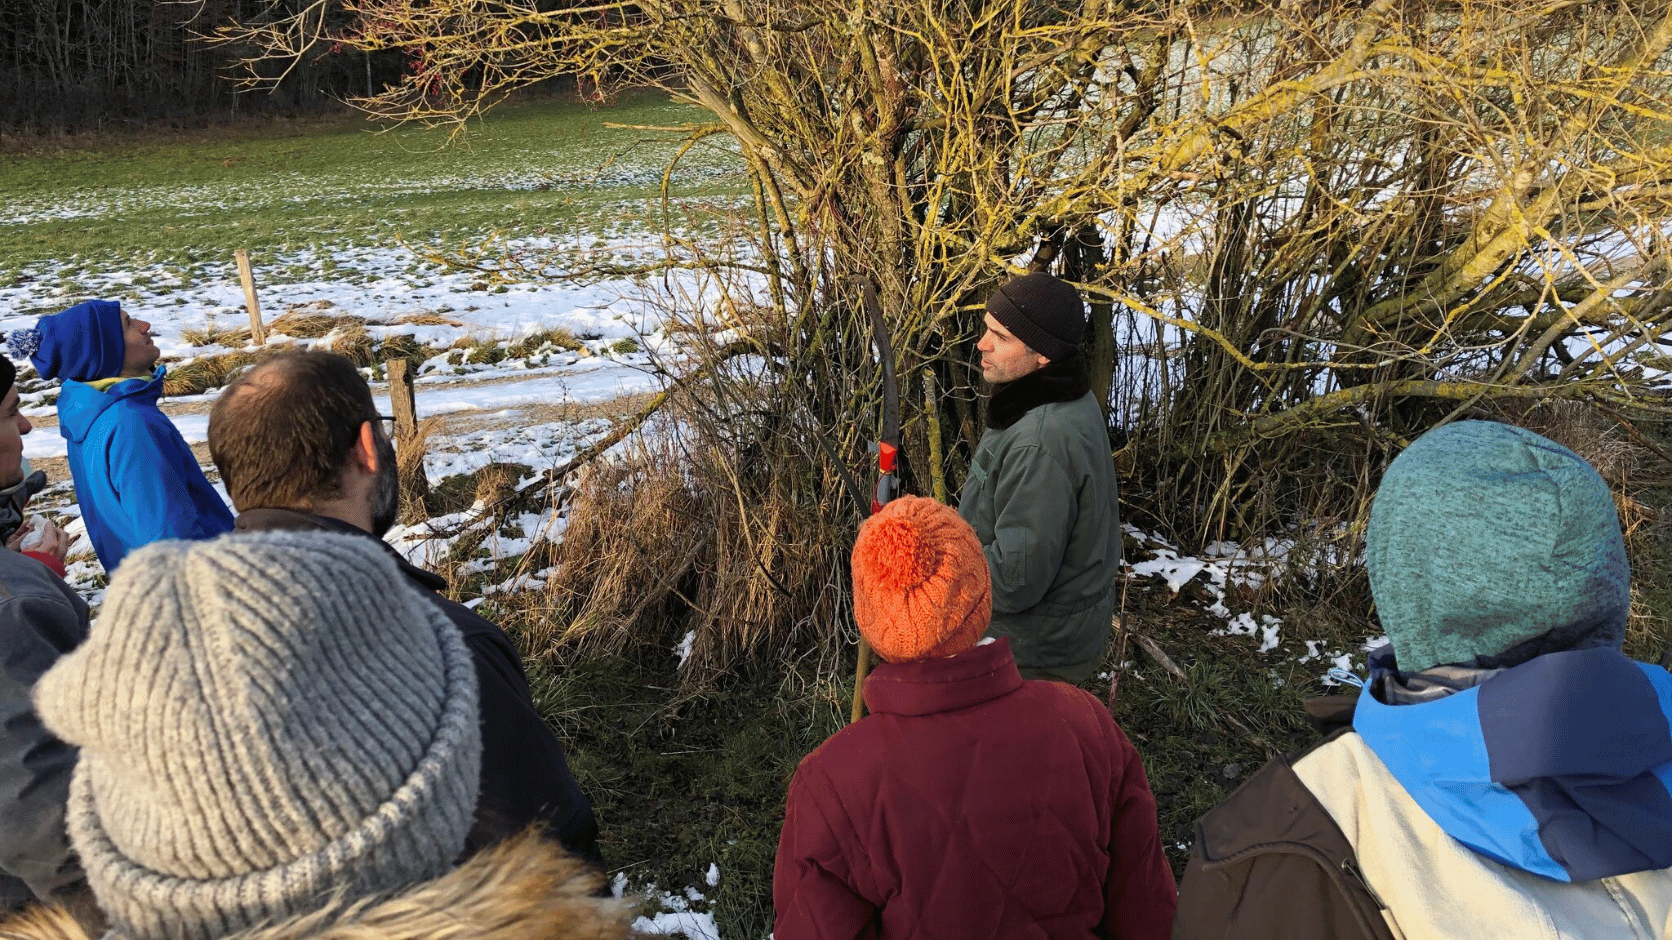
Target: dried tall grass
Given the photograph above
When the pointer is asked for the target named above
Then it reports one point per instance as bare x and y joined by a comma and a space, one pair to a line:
404, 346
409, 466
424, 318
684, 533
210, 335
306, 323
206, 373
535, 343
353, 341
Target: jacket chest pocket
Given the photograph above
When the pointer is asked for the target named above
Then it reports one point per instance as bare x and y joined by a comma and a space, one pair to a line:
975, 487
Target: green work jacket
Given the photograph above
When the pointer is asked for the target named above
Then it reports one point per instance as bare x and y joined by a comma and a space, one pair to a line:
1041, 497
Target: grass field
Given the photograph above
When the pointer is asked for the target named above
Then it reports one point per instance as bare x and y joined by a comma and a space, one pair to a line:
549, 168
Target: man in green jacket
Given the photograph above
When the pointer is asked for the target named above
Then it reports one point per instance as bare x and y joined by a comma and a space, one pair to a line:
1041, 491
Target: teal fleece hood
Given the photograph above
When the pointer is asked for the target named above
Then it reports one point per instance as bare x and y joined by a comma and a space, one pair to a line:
1489, 544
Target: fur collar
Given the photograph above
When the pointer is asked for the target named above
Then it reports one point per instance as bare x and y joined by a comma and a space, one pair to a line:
526, 888
1058, 380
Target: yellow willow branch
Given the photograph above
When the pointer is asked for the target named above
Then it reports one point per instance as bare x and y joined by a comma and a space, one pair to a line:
1283, 97
1218, 338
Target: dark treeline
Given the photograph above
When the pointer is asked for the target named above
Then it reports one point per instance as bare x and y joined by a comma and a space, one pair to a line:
73, 65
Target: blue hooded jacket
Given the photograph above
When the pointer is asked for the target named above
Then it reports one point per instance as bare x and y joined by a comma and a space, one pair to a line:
135, 478
1560, 766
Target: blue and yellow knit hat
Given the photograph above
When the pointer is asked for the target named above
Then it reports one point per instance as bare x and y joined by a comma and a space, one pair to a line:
83, 343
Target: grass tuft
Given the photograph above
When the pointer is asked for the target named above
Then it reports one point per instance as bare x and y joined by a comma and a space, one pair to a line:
484, 352
206, 373
353, 341
424, 318
309, 323
404, 346
211, 335
544, 341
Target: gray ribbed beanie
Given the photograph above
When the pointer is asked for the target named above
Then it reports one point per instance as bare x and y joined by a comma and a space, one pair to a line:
1487, 539
264, 720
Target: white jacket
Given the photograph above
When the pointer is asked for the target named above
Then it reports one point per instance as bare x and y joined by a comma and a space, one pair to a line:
1434, 887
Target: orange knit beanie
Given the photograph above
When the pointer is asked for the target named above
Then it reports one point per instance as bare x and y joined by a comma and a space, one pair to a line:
920, 584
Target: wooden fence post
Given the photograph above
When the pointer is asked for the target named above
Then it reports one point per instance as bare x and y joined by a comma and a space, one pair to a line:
258, 330
409, 460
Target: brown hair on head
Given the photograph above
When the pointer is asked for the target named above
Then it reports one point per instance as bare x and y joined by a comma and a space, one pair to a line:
282, 432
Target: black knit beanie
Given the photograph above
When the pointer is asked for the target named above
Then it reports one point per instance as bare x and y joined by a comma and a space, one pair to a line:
1042, 311
8, 376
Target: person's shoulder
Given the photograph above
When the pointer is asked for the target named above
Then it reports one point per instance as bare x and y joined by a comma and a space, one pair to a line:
22, 576
1031, 431
1071, 704
1341, 763
469, 622
128, 411
852, 752
35, 600
1059, 420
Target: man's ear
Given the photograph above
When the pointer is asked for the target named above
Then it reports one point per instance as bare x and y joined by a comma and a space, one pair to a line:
364, 452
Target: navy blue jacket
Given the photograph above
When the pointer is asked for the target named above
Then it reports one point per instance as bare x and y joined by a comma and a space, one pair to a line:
1561, 766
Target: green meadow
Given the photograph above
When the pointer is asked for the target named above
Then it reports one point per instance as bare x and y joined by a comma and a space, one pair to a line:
550, 169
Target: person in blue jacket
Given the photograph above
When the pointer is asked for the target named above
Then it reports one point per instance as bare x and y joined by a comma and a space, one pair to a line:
135, 478
1508, 769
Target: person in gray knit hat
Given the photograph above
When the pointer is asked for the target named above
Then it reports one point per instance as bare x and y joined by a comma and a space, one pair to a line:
266, 722
1041, 492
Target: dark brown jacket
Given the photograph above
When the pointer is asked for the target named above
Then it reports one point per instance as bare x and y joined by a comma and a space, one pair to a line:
1270, 862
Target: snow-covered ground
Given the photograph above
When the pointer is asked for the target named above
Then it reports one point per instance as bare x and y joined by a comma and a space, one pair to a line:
1223, 566
677, 912
621, 334
385, 287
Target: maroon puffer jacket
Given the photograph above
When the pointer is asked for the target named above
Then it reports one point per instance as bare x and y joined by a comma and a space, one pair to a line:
972, 804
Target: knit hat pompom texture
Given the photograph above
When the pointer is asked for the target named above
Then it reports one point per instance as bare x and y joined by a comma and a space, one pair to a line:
1042, 311
920, 583
83, 343
264, 720
1485, 538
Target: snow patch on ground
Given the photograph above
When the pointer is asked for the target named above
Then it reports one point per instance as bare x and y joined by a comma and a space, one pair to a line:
1223, 566
677, 913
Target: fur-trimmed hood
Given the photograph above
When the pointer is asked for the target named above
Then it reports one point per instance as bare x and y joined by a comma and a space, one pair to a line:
527, 888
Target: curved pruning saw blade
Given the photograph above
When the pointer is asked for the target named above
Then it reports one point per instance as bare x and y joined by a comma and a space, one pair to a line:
888, 446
